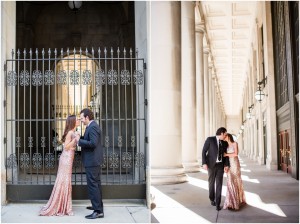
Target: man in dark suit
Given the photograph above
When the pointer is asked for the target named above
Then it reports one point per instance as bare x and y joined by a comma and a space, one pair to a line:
92, 157
214, 161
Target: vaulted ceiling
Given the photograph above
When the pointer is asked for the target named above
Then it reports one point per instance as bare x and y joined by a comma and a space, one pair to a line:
228, 32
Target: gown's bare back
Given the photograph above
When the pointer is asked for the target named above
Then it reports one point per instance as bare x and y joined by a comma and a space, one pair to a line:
60, 202
235, 196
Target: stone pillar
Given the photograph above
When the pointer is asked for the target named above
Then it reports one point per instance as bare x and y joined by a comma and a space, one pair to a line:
8, 40
165, 94
210, 83
260, 157
255, 133
218, 109
213, 101
188, 87
247, 139
247, 126
200, 91
271, 162
215, 112
206, 89
252, 138
142, 15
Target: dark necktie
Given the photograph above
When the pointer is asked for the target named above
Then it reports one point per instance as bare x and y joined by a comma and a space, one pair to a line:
220, 151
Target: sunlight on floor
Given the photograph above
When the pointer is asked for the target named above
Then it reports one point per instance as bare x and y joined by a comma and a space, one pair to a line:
170, 211
203, 171
252, 199
245, 170
246, 178
198, 182
255, 201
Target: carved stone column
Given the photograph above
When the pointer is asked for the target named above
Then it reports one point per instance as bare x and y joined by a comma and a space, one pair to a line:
200, 90
210, 98
188, 87
165, 94
206, 96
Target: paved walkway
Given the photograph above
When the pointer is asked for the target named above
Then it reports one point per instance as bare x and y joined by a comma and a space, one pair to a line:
115, 211
272, 197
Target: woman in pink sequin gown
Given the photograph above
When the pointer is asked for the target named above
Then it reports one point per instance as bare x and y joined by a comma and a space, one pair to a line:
235, 196
60, 202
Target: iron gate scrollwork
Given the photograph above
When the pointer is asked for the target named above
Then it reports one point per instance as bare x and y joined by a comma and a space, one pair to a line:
44, 87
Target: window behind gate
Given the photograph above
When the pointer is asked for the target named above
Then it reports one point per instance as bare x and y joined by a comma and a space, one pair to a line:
44, 87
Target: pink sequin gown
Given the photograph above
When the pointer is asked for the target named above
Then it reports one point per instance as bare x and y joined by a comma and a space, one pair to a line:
235, 196
60, 202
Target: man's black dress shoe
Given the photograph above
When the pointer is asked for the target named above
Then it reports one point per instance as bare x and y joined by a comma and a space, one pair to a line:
213, 203
218, 208
95, 215
89, 207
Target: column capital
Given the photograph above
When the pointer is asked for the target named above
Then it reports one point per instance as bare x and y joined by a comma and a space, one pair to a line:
206, 49
200, 27
256, 21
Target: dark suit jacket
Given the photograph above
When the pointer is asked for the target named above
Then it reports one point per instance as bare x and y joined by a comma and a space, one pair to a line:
91, 150
210, 152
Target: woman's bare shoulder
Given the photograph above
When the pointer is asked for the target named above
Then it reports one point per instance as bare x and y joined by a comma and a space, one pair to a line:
70, 133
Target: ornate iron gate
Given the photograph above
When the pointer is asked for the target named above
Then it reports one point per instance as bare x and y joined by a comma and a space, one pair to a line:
43, 88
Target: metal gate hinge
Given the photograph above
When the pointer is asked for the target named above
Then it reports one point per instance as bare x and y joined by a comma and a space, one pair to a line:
5, 140
146, 102
145, 65
4, 103
146, 139
5, 67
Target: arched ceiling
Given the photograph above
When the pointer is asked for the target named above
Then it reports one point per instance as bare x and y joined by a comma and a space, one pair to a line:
228, 32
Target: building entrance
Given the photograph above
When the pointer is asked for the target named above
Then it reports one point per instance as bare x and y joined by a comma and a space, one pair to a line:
43, 87
285, 151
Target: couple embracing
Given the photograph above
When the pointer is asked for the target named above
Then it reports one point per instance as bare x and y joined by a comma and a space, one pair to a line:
219, 155
60, 202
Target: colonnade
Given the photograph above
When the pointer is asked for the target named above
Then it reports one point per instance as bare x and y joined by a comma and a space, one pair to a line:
259, 135
186, 105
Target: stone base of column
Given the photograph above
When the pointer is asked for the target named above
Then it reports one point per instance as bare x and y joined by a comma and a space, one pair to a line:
254, 157
3, 188
260, 160
167, 175
271, 164
191, 167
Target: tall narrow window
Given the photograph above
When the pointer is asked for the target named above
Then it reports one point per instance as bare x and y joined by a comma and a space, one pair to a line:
294, 10
262, 55
278, 17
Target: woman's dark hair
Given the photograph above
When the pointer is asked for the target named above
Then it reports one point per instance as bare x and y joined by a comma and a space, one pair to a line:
70, 124
87, 113
230, 137
221, 130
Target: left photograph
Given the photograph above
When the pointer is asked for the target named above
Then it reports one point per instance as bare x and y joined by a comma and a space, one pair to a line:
75, 112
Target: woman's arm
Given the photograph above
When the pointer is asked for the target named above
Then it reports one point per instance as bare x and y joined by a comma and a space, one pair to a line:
69, 142
235, 153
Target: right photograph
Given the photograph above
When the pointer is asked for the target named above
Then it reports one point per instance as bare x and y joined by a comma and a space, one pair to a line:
224, 112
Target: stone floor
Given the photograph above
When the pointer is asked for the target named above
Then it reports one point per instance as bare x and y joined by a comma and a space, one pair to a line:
272, 197
115, 211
